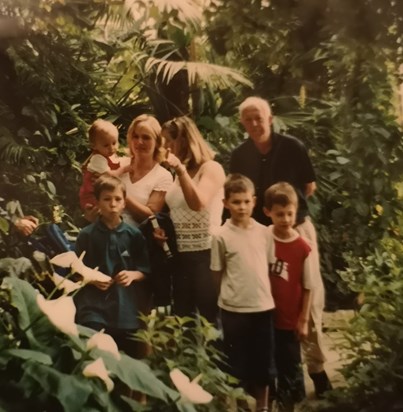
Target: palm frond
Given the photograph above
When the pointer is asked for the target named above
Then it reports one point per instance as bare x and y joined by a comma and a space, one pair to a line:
212, 74
188, 11
11, 151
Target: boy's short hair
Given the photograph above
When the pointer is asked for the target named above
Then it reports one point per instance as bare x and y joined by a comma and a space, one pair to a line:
106, 183
101, 126
281, 193
237, 183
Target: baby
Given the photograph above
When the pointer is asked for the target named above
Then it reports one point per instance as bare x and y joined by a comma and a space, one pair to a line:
104, 142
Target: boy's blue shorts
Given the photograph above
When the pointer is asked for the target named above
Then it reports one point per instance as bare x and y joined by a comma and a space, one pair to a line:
249, 345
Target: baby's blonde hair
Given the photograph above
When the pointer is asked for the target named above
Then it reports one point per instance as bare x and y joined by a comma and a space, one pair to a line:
101, 127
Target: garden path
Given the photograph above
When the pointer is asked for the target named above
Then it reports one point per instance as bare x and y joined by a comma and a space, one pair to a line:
333, 325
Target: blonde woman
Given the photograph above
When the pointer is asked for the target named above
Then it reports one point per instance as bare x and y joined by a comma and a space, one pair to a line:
195, 204
147, 181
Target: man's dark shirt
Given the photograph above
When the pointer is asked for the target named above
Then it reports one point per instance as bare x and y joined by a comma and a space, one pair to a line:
287, 161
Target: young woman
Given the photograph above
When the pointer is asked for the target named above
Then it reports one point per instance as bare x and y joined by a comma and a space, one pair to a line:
147, 181
195, 204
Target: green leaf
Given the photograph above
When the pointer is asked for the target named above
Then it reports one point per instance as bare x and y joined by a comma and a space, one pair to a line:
70, 390
378, 184
362, 208
51, 187
342, 160
16, 267
138, 376
27, 354
4, 225
136, 406
39, 331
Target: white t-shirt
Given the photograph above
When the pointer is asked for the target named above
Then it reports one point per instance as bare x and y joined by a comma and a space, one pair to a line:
242, 256
99, 164
194, 228
157, 179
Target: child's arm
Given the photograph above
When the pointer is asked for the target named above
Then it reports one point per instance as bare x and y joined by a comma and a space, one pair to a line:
119, 172
140, 211
126, 277
307, 285
302, 326
217, 262
217, 278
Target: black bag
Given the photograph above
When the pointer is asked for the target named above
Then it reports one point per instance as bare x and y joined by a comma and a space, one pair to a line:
162, 264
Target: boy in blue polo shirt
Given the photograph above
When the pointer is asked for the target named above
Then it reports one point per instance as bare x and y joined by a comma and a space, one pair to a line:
118, 250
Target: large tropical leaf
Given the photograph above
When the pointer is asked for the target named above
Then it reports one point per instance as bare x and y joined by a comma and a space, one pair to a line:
72, 392
186, 11
39, 331
138, 376
214, 75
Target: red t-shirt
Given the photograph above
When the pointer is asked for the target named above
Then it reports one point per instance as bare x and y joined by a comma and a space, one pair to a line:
286, 277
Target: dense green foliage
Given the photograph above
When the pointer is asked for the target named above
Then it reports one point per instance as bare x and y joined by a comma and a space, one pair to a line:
372, 345
43, 368
331, 71
192, 345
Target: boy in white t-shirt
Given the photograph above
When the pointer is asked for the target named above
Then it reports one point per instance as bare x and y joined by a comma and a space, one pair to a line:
239, 260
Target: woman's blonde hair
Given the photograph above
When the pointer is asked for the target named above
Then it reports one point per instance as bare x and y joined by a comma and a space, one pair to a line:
155, 127
193, 150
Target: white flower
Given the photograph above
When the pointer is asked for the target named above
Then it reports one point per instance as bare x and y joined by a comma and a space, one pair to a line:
64, 260
65, 284
97, 369
104, 342
190, 391
92, 275
70, 259
61, 312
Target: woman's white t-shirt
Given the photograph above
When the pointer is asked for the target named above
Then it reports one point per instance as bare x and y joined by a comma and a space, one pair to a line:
157, 179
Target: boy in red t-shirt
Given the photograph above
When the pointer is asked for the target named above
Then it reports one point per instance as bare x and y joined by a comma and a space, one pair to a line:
290, 268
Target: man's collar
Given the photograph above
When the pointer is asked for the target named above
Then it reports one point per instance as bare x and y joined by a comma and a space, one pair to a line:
101, 226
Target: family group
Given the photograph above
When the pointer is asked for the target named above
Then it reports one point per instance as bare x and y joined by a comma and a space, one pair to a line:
246, 254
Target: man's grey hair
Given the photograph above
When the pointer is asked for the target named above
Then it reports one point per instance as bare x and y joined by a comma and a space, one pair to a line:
255, 102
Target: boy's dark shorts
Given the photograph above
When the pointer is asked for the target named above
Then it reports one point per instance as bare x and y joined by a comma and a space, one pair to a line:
249, 345
290, 379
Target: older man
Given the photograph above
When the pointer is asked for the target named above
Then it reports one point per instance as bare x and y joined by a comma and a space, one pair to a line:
267, 158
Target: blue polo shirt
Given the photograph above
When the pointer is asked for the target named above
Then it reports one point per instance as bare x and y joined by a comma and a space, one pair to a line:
111, 250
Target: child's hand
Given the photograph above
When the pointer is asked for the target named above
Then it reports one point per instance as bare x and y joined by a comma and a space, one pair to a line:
126, 277
127, 169
302, 329
102, 285
94, 177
